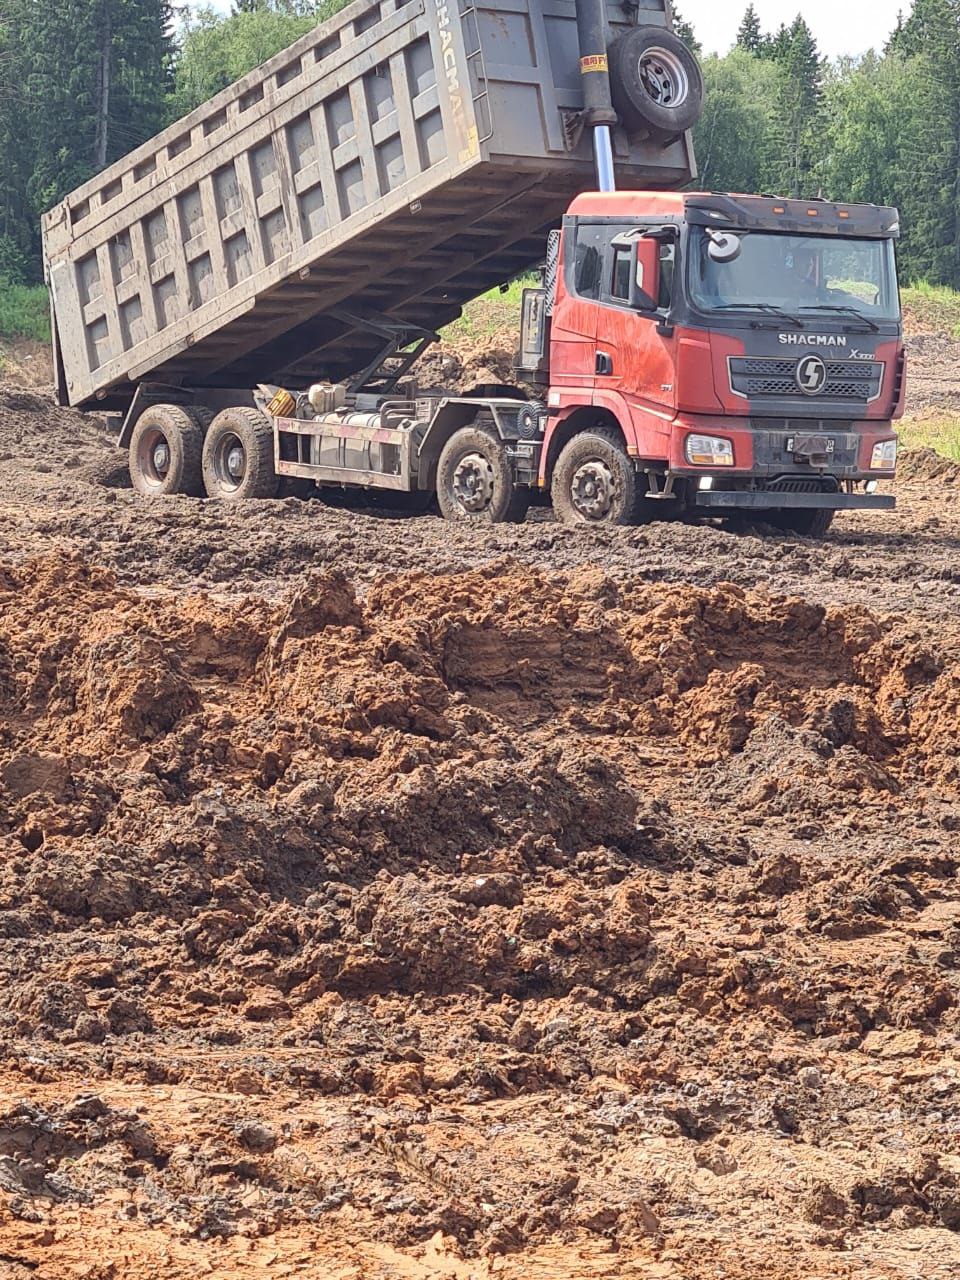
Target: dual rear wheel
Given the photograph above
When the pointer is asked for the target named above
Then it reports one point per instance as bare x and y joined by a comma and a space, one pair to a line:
177, 449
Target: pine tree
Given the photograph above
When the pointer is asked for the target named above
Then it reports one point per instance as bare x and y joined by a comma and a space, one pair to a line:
795, 52
896, 36
17, 248
88, 81
685, 31
777, 46
927, 43
750, 36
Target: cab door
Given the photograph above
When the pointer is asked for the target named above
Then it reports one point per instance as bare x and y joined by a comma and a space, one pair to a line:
636, 352
573, 329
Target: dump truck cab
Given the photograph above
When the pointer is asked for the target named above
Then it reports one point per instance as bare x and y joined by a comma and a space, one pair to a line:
745, 351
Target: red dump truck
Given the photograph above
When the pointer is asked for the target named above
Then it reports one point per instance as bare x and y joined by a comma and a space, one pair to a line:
251, 290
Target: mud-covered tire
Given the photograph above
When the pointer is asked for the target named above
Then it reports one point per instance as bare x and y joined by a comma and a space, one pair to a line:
166, 450
474, 481
238, 456
594, 482
807, 523
655, 82
202, 416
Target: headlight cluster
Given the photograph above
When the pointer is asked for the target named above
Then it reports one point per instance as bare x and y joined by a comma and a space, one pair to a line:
884, 456
709, 451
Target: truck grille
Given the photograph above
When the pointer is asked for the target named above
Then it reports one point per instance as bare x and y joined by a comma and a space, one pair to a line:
753, 376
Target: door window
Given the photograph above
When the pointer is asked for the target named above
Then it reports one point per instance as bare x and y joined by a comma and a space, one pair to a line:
592, 242
602, 268
620, 283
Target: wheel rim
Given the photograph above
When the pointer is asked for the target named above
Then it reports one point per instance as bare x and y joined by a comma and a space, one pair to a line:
154, 457
473, 483
230, 462
664, 77
592, 490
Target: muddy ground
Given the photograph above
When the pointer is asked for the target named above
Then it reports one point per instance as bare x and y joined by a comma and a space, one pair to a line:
379, 899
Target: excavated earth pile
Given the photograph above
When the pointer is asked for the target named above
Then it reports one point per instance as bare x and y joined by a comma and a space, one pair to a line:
380, 899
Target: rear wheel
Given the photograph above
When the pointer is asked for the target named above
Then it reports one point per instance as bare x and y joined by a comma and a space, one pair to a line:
202, 415
811, 523
238, 456
594, 482
474, 480
165, 452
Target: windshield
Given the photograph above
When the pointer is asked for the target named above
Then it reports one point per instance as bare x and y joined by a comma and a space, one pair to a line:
794, 273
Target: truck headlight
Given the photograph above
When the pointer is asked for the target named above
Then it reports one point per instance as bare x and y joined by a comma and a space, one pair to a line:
709, 451
884, 456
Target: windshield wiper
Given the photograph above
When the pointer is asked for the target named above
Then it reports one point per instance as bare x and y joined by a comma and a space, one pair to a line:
766, 307
850, 311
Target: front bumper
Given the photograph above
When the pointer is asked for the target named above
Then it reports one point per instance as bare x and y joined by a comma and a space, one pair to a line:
760, 446
770, 500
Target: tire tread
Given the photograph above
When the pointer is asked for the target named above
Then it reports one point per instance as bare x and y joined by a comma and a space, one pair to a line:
185, 437
261, 479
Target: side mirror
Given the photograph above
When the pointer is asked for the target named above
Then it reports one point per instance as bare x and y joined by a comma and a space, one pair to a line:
645, 274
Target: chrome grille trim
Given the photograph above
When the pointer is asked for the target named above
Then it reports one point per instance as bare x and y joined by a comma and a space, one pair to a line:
757, 376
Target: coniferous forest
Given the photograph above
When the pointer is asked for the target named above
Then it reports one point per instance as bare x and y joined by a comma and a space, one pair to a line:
84, 81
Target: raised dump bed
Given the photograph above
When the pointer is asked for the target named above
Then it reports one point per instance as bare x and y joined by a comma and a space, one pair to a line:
397, 161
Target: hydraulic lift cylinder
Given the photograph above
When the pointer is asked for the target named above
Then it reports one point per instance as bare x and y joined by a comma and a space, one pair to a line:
598, 112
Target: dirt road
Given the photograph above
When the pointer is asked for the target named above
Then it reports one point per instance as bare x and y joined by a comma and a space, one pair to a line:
381, 900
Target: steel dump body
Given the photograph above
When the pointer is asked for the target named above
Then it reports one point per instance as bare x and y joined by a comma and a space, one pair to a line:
399, 159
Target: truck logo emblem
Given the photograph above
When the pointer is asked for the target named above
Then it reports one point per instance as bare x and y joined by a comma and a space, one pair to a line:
811, 375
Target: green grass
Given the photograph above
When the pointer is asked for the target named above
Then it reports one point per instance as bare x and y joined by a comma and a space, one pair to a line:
933, 308
494, 311
24, 312
940, 433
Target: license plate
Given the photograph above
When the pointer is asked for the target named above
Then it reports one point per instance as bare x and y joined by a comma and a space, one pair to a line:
811, 444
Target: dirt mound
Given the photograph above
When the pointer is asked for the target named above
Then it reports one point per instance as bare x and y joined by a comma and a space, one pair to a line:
927, 464
41, 438
28, 363
933, 373
474, 911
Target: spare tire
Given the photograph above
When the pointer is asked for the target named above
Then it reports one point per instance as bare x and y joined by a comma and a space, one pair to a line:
655, 82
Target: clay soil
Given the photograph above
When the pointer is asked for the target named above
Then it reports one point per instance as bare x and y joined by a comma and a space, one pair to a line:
382, 899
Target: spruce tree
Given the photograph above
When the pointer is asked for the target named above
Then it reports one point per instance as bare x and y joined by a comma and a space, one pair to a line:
89, 80
928, 43
801, 84
750, 36
685, 31
17, 240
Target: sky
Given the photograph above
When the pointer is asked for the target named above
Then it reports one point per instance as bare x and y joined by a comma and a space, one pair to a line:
840, 26
847, 26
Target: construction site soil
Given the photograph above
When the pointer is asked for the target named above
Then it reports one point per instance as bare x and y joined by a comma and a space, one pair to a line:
381, 898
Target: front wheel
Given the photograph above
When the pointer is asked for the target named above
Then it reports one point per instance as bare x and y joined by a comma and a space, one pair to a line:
474, 481
238, 456
808, 523
594, 482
